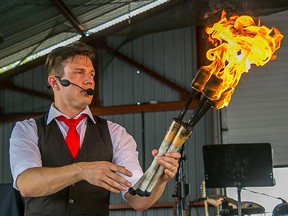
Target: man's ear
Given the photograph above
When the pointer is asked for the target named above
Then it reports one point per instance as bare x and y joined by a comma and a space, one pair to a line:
52, 81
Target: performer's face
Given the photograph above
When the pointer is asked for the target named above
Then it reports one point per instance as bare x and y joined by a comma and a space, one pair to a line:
78, 70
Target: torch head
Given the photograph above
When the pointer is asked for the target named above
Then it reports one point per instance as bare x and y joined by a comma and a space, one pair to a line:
239, 43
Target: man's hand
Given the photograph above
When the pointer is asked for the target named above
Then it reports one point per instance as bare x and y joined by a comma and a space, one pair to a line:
106, 175
170, 162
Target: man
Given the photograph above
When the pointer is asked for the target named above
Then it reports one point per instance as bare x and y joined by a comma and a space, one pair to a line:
56, 180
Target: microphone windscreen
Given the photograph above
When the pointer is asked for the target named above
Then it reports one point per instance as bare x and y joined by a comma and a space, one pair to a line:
64, 82
90, 91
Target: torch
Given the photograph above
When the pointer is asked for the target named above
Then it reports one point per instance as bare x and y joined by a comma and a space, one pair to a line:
238, 43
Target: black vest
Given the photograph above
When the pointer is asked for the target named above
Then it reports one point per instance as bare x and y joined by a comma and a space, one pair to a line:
81, 198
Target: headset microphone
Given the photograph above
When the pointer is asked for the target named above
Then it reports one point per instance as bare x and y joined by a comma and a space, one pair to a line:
65, 82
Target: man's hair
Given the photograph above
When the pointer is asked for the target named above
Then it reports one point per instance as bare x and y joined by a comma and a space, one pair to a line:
58, 57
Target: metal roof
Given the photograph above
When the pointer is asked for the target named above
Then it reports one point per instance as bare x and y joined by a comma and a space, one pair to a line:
28, 27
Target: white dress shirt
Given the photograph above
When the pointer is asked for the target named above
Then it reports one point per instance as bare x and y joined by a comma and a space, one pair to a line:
24, 151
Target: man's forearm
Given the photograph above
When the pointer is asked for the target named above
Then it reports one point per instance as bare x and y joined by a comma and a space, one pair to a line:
41, 181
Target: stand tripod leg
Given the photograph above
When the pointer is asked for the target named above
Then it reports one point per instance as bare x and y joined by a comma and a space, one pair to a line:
182, 188
239, 207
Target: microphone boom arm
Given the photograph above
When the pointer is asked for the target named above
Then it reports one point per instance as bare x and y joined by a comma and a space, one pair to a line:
65, 82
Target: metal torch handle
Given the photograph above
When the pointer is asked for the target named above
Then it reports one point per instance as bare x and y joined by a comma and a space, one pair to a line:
141, 185
182, 135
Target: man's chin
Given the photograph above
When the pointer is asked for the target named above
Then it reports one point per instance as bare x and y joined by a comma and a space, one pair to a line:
87, 101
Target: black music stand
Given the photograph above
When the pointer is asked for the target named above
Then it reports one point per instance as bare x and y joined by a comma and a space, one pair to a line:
238, 165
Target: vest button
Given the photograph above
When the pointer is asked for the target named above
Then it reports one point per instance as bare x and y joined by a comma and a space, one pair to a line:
71, 201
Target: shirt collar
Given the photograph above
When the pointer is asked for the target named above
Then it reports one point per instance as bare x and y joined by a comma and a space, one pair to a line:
54, 113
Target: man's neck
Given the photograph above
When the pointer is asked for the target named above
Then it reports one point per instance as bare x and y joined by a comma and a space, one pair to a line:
71, 112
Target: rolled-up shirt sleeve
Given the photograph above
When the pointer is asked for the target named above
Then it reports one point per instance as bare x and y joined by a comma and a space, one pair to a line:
125, 152
24, 151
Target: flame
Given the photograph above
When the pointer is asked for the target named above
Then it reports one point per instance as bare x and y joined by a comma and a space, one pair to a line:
238, 43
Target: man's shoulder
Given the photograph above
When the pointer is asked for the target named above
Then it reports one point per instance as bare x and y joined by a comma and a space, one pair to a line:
27, 126
26, 122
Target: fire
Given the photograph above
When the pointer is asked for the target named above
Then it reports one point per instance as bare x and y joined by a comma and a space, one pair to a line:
238, 43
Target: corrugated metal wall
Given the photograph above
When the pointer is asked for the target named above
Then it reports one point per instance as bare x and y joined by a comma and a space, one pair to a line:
172, 55
258, 110
13, 102
169, 54
154, 133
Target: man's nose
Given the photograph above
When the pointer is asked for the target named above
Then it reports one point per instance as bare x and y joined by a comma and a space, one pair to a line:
89, 78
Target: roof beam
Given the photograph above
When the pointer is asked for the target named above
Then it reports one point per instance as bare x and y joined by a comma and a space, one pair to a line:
128, 109
112, 110
22, 68
30, 92
64, 10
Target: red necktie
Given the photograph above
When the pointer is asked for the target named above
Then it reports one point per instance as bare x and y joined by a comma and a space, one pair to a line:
72, 138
